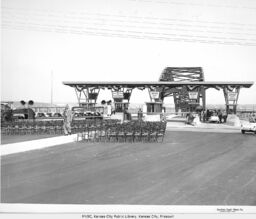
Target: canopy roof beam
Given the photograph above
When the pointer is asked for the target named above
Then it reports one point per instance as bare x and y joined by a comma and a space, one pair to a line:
87, 92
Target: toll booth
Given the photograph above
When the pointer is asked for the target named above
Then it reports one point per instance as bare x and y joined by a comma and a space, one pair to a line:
154, 111
120, 111
154, 108
121, 98
193, 107
120, 107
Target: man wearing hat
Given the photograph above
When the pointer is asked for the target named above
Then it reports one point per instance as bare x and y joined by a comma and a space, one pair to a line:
68, 116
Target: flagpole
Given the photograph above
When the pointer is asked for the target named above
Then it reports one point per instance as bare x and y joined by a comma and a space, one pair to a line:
51, 88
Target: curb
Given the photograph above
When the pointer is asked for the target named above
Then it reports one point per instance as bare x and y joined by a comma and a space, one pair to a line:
24, 146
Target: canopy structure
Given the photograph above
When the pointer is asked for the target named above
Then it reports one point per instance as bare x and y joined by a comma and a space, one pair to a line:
87, 91
185, 84
119, 85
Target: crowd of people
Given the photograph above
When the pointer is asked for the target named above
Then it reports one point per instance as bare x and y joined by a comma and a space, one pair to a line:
109, 108
206, 115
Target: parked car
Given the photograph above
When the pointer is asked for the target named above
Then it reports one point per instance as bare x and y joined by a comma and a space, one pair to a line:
18, 116
48, 114
40, 115
214, 118
78, 114
25, 113
85, 111
249, 127
57, 115
88, 113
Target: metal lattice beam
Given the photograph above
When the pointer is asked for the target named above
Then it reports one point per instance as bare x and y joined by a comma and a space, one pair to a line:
181, 95
180, 84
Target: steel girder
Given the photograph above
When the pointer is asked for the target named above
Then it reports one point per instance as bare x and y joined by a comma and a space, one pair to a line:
176, 82
181, 94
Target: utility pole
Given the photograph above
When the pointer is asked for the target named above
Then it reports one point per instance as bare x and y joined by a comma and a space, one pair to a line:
51, 88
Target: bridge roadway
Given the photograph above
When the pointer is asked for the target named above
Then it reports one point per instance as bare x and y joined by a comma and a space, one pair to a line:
189, 168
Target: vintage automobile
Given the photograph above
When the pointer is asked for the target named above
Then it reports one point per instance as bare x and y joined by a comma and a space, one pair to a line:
88, 113
249, 126
49, 115
41, 115
78, 114
23, 113
214, 118
57, 115
16, 116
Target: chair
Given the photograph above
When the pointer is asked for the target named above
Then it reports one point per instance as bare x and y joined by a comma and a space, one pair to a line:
4, 128
161, 132
59, 127
28, 128
103, 133
137, 134
145, 130
129, 133
21, 129
152, 136
112, 133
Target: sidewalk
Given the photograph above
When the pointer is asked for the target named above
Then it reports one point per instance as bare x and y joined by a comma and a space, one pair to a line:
18, 147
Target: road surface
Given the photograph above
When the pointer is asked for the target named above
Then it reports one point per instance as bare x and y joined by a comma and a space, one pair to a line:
189, 168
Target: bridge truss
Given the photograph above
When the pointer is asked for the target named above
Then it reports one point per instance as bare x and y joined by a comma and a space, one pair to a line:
186, 98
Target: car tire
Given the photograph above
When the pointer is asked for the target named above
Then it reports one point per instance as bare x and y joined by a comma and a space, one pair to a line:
242, 131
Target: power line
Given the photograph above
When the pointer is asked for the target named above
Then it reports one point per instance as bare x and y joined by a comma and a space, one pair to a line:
112, 16
130, 34
130, 24
103, 26
23, 22
192, 3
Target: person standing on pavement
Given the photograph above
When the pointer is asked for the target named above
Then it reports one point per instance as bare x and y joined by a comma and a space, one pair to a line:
109, 108
68, 116
224, 116
220, 116
140, 114
204, 115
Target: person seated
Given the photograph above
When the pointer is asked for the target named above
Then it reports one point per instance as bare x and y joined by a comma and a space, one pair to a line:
190, 118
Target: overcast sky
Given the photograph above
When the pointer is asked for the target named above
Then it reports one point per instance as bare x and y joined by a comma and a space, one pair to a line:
116, 40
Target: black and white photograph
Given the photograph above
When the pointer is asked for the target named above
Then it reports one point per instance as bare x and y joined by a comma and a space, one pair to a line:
128, 106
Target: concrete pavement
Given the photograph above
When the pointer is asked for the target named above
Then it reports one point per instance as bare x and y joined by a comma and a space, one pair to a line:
189, 168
